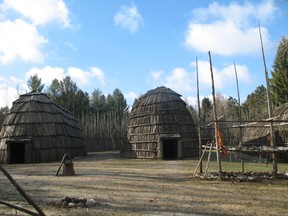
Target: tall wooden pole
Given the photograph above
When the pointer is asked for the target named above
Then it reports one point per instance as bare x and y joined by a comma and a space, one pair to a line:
215, 118
199, 121
22, 192
270, 111
239, 117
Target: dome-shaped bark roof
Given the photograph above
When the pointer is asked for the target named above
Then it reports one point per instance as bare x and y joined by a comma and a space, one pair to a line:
161, 114
51, 130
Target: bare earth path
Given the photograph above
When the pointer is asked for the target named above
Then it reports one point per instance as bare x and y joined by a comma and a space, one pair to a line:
139, 187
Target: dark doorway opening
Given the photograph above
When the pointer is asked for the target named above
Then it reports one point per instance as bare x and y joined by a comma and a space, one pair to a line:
17, 152
170, 149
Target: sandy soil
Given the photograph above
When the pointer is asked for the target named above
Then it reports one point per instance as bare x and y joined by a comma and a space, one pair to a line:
139, 187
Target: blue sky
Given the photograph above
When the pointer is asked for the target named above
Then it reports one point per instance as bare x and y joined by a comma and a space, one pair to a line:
138, 45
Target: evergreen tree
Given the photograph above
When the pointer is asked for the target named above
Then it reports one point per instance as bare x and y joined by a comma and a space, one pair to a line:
98, 102
54, 91
232, 109
67, 94
117, 103
279, 80
206, 109
255, 104
34, 84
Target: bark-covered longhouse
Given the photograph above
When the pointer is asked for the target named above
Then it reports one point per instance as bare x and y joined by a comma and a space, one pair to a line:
38, 130
161, 126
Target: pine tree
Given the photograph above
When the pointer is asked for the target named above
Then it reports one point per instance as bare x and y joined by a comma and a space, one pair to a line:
206, 109
67, 94
255, 104
34, 83
279, 80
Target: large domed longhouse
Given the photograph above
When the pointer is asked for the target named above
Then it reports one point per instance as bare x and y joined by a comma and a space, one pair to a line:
161, 126
38, 130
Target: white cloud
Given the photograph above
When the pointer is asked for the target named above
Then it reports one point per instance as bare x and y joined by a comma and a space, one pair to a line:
99, 74
193, 101
20, 39
184, 82
40, 12
237, 13
130, 97
19, 34
84, 77
10, 89
128, 18
178, 79
81, 77
8, 95
229, 30
156, 75
47, 74
223, 77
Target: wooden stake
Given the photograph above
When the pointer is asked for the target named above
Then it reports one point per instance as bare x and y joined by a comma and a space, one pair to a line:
22, 192
215, 118
270, 111
199, 119
208, 161
62, 162
240, 117
19, 208
200, 161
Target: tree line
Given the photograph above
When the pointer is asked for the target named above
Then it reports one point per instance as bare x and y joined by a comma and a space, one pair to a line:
104, 117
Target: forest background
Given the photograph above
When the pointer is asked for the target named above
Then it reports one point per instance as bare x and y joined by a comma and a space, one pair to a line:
104, 117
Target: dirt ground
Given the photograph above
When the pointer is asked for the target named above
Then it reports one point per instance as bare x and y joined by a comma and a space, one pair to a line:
140, 187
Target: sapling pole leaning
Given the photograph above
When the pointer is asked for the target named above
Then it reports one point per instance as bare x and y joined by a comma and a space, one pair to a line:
240, 116
215, 118
199, 121
270, 111
22, 192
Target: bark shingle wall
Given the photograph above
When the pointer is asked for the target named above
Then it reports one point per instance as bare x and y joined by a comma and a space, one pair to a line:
52, 130
159, 113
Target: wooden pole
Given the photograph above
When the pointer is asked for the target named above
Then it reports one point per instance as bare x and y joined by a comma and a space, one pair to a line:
18, 208
270, 111
199, 121
62, 162
22, 192
208, 161
215, 118
200, 161
239, 117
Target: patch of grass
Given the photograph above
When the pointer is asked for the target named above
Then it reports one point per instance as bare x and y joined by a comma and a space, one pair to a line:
145, 187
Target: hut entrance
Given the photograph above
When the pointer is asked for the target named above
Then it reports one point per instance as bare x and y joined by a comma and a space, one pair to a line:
170, 149
16, 152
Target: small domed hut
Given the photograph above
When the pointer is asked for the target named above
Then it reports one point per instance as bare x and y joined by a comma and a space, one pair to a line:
38, 130
161, 126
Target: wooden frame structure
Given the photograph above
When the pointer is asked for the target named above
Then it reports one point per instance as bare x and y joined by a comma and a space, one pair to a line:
272, 149
261, 149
